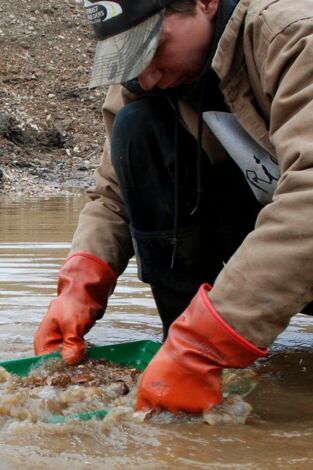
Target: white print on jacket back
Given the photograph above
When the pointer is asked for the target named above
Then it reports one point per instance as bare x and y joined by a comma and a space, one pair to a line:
261, 170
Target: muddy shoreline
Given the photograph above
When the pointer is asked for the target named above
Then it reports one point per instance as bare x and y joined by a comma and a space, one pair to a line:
51, 131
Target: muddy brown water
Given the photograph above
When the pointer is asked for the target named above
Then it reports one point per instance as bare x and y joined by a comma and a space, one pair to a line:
34, 239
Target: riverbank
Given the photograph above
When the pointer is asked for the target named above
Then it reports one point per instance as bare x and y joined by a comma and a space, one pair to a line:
51, 132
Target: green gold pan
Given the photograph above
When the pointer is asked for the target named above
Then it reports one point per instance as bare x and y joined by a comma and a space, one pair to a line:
135, 354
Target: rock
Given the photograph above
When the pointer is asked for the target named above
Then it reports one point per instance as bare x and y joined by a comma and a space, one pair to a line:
9, 128
51, 138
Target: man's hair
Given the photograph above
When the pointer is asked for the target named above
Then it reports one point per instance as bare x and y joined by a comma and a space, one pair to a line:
181, 6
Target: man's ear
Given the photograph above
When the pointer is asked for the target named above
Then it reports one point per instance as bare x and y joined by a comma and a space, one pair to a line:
209, 7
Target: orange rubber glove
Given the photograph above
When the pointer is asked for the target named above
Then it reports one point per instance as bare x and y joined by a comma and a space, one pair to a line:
84, 285
185, 374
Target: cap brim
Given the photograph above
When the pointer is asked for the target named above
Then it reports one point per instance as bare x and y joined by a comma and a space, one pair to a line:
124, 56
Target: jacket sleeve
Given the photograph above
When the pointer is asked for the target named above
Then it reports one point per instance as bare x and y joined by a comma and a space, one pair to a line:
270, 277
103, 226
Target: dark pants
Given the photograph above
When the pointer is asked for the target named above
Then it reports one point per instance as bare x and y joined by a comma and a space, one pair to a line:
143, 155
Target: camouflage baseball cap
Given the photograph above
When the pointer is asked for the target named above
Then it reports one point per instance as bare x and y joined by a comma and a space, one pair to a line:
128, 34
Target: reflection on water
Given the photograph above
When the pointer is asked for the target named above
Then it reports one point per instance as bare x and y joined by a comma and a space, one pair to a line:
34, 240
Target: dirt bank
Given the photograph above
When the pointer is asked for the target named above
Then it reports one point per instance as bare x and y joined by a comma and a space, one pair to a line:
51, 132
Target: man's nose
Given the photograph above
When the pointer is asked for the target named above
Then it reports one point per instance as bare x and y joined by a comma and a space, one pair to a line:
150, 77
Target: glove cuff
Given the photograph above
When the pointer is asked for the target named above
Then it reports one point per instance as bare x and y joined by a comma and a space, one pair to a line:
86, 277
111, 276
237, 338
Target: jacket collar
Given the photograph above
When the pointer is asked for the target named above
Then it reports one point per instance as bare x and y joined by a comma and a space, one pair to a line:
224, 12
227, 54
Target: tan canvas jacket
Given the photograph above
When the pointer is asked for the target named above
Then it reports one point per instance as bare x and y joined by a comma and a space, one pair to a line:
264, 60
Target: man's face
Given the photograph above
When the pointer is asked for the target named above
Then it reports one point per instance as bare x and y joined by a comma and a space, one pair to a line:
183, 47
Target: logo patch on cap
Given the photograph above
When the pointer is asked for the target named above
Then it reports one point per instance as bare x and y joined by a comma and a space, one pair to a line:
102, 11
